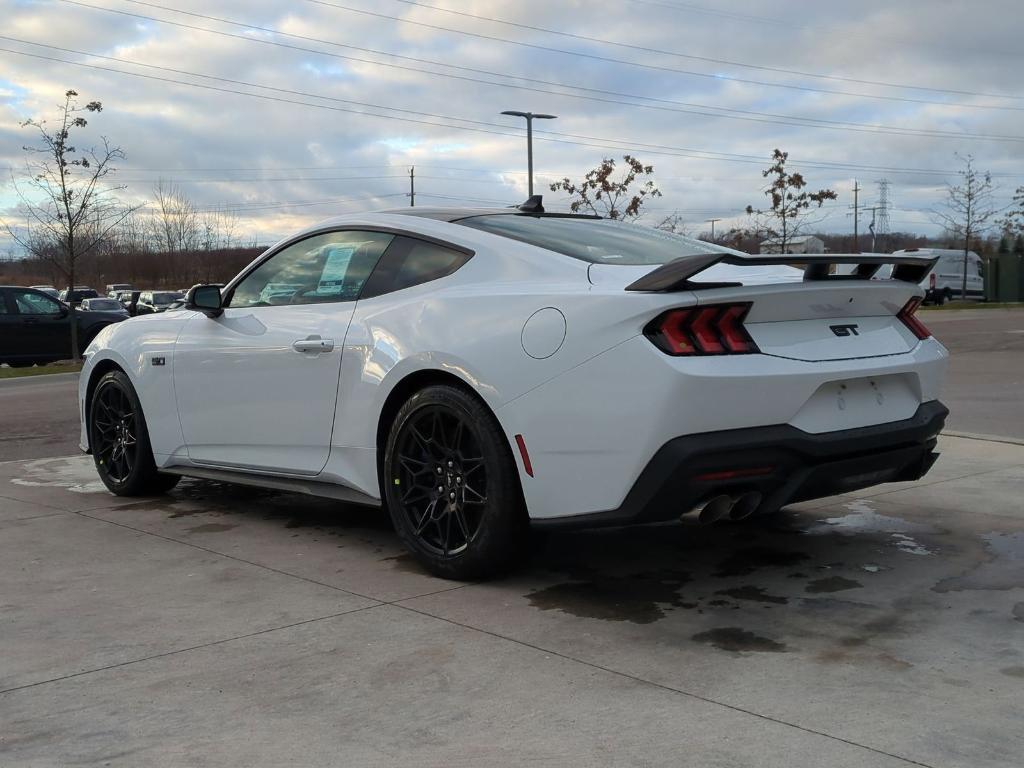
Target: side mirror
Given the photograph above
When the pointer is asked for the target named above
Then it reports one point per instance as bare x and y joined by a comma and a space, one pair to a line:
205, 299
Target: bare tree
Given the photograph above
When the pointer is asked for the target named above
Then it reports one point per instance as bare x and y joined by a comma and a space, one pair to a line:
790, 207
176, 225
672, 223
968, 210
71, 208
602, 194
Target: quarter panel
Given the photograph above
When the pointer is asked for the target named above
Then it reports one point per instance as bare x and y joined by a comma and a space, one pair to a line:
600, 423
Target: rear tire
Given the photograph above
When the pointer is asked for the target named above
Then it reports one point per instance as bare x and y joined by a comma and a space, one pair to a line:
452, 487
120, 441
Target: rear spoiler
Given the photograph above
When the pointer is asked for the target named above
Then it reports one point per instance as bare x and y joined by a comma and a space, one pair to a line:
676, 274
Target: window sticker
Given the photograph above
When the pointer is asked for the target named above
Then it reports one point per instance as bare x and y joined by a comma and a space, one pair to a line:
332, 278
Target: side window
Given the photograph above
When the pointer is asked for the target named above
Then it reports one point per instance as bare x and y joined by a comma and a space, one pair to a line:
31, 303
410, 262
324, 268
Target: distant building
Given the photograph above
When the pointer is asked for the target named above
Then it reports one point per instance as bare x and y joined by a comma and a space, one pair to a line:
801, 244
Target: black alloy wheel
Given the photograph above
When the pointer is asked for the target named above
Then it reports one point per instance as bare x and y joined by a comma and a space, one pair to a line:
114, 424
451, 485
442, 479
119, 440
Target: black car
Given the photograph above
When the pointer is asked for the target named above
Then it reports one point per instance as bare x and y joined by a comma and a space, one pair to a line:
36, 328
151, 302
81, 292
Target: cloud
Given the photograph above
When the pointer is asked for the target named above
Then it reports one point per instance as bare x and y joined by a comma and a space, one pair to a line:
281, 130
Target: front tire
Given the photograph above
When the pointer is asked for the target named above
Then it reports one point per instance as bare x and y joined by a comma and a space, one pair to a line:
452, 487
120, 440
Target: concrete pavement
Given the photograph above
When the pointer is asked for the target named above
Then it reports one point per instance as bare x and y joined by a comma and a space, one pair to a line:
38, 416
985, 386
224, 626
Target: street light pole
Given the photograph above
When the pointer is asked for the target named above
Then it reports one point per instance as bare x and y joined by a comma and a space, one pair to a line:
529, 139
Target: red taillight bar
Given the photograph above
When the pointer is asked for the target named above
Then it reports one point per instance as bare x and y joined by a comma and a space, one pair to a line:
711, 330
908, 318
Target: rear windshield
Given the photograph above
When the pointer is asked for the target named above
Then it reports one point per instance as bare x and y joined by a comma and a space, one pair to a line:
104, 304
166, 298
599, 241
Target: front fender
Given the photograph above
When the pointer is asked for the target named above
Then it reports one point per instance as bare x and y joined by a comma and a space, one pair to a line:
144, 350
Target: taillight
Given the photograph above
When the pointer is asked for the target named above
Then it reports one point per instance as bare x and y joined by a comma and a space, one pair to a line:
910, 320
712, 330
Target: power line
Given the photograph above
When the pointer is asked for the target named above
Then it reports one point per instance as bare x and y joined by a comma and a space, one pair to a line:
612, 60
709, 59
680, 106
687, 7
485, 127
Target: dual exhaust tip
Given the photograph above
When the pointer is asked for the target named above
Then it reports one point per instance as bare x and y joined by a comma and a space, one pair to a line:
731, 507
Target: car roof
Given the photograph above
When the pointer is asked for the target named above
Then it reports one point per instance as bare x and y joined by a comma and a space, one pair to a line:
455, 214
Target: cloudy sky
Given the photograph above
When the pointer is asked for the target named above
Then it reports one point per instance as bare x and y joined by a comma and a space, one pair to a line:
289, 111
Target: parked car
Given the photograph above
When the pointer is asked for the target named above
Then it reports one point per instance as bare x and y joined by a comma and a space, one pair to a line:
80, 292
36, 328
946, 279
507, 367
115, 288
103, 305
49, 290
151, 302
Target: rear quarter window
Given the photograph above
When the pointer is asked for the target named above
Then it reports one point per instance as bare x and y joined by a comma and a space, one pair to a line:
410, 262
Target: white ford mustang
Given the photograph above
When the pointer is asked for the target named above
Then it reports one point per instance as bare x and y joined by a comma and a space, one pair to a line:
479, 371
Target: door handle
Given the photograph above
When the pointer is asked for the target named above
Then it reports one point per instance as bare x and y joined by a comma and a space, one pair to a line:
313, 344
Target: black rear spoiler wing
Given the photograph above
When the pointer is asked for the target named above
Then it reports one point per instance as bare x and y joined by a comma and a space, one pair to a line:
676, 274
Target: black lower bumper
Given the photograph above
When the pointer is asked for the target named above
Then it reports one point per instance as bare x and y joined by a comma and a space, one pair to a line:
782, 463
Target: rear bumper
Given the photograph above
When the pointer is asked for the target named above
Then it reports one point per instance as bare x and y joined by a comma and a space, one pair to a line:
783, 463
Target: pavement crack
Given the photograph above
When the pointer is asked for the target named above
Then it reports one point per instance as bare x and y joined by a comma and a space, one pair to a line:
231, 557
668, 688
272, 569
176, 651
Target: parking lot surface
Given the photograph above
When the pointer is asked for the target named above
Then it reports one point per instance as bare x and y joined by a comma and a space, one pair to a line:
986, 373
224, 626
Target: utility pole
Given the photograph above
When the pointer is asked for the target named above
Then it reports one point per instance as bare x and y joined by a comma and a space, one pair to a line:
712, 222
412, 186
856, 215
529, 138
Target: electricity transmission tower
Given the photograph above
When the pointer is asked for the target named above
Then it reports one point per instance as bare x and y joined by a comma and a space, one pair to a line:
882, 213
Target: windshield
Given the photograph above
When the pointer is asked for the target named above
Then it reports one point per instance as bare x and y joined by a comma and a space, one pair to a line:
599, 241
166, 298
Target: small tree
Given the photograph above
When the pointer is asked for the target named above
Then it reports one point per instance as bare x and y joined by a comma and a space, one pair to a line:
70, 208
603, 194
790, 206
672, 223
1013, 222
969, 209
